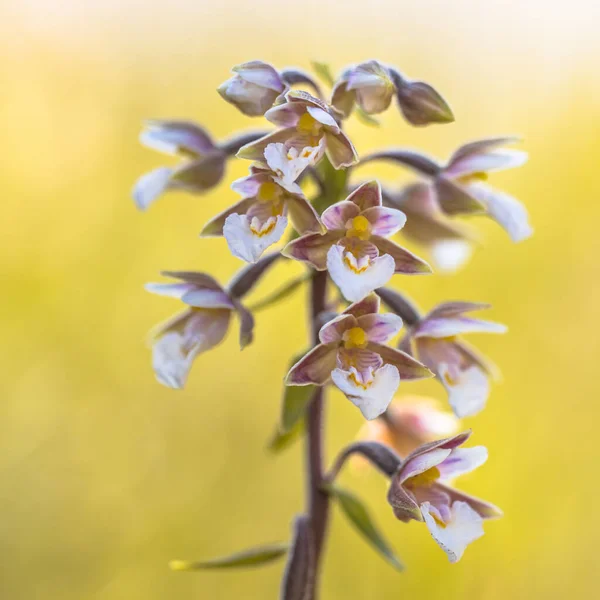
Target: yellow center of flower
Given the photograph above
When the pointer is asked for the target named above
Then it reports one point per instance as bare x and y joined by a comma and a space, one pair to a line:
423, 479
355, 338
268, 192
480, 176
360, 228
308, 124
357, 382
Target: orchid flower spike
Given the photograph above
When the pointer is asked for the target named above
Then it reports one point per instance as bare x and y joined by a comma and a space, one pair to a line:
409, 422
269, 193
200, 327
372, 85
463, 372
352, 354
305, 122
419, 492
355, 248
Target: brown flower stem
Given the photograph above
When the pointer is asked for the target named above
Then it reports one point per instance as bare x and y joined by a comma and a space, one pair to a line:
318, 500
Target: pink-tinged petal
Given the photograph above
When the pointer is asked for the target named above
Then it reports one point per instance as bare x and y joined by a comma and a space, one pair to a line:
287, 114
468, 390
508, 212
366, 306
255, 150
367, 195
304, 217
486, 162
312, 248
340, 150
171, 290
456, 309
423, 462
249, 186
371, 394
448, 444
313, 368
200, 175
486, 510
191, 294
385, 221
403, 502
356, 279
249, 238
421, 104
215, 226
461, 461
373, 85
481, 147
380, 328
333, 330
342, 98
177, 137
408, 367
246, 324
454, 535
323, 117
337, 215
176, 348
445, 327
455, 199
404, 261
261, 74
198, 279
359, 358
150, 186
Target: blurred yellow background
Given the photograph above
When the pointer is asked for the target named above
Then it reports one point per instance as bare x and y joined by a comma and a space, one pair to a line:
105, 475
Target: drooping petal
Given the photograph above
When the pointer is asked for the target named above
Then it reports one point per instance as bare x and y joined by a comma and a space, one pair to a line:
337, 215
455, 199
248, 239
323, 117
461, 461
170, 363
486, 510
150, 186
371, 394
333, 330
312, 248
340, 150
507, 211
468, 390
450, 255
405, 262
456, 308
214, 227
380, 328
195, 277
200, 175
465, 526
480, 147
177, 137
445, 327
356, 279
315, 367
304, 217
385, 221
485, 162
191, 294
408, 367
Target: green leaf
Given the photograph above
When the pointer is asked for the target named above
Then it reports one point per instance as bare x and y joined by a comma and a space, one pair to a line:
252, 557
283, 439
366, 119
280, 294
295, 400
323, 71
358, 515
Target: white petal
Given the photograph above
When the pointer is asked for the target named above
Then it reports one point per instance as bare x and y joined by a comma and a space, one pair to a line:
468, 390
358, 278
150, 186
371, 393
463, 527
461, 461
450, 255
248, 239
170, 362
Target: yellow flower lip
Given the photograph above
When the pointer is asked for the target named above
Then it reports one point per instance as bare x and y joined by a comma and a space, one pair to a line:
308, 124
355, 338
360, 228
423, 479
268, 192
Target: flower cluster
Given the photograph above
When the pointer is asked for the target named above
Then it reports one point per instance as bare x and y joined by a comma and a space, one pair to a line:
343, 236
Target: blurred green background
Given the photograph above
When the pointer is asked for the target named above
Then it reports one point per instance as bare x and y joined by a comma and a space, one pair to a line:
105, 475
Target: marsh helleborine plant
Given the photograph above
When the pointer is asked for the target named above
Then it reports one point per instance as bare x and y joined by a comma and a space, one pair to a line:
344, 235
